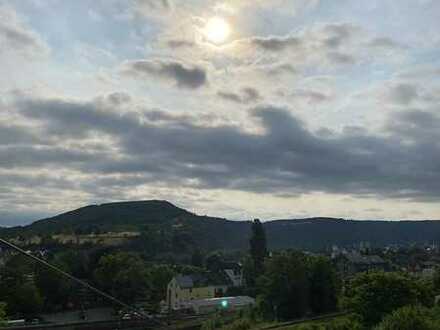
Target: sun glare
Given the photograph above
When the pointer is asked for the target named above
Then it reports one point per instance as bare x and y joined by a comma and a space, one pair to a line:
217, 30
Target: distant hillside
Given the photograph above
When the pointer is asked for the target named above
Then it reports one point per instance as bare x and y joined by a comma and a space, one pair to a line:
154, 216
163, 218
318, 233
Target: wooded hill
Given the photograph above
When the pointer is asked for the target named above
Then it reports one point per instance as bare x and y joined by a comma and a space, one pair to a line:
161, 220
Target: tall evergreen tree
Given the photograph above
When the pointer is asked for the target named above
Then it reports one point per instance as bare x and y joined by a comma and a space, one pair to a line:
258, 246
197, 258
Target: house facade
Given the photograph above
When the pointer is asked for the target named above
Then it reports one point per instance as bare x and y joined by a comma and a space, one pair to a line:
234, 271
183, 289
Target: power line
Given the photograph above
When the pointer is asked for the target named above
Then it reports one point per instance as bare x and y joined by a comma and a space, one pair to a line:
73, 278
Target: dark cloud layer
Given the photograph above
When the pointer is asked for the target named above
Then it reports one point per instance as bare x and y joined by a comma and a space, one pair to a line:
331, 43
185, 76
276, 43
287, 158
246, 95
403, 93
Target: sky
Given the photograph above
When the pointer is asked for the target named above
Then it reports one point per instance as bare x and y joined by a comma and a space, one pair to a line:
241, 109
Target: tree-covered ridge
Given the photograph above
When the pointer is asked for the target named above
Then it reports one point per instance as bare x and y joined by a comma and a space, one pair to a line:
161, 219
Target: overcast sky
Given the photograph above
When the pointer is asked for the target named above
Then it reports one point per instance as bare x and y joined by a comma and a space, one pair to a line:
239, 109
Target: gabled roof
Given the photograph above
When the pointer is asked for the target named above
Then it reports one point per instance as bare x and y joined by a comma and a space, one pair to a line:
184, 281
231, 265
198, 280
358, 258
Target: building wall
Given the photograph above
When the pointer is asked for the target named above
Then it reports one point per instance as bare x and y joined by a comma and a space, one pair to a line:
236, 277
177, 296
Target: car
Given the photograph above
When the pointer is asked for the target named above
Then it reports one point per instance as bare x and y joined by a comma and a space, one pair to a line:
126, 316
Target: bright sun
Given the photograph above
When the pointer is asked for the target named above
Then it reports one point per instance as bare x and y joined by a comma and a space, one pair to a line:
217, 30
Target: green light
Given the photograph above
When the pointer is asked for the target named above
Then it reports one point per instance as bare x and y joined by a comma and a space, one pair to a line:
224, 303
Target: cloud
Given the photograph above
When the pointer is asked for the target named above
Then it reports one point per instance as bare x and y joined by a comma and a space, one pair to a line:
155, 4
319, 44
12, 135
329, 37
403, 93
247, 95
150, 8
340, 58
180, 43
384, 43
311, 96
16, 37
276, 43
280, 68
285, 157
184, 75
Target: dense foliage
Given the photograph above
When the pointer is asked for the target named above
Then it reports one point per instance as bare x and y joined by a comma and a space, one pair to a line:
337, 324
28, 288
376, 294
123, 275
409, 318
294, 284
17, 288
258, 246
2, 312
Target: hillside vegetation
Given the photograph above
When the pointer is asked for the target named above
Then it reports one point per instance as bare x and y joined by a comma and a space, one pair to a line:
163, 218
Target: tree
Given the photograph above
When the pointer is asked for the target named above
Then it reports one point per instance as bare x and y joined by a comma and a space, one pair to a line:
337, 324
17, 288
182, 241
284, 287
324, 286
2, 312
74, 262
160, 276
26, 300
436, 280
373, 295
55, 289
197, 258
249, 275
151, 241
124, 275
214, 262
258, 246
408, 318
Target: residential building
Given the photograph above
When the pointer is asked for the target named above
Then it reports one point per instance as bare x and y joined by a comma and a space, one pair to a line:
234, 271
184, 288
351, 263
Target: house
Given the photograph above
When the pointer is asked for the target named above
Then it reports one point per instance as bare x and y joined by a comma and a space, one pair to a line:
351, 263
184, 288
428, 269
234, 271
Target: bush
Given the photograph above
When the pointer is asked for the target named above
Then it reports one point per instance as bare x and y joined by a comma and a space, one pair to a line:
241, 324
2, 312
343, 324
408, 318
376, 294
213, 323
310, 326
338, 324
